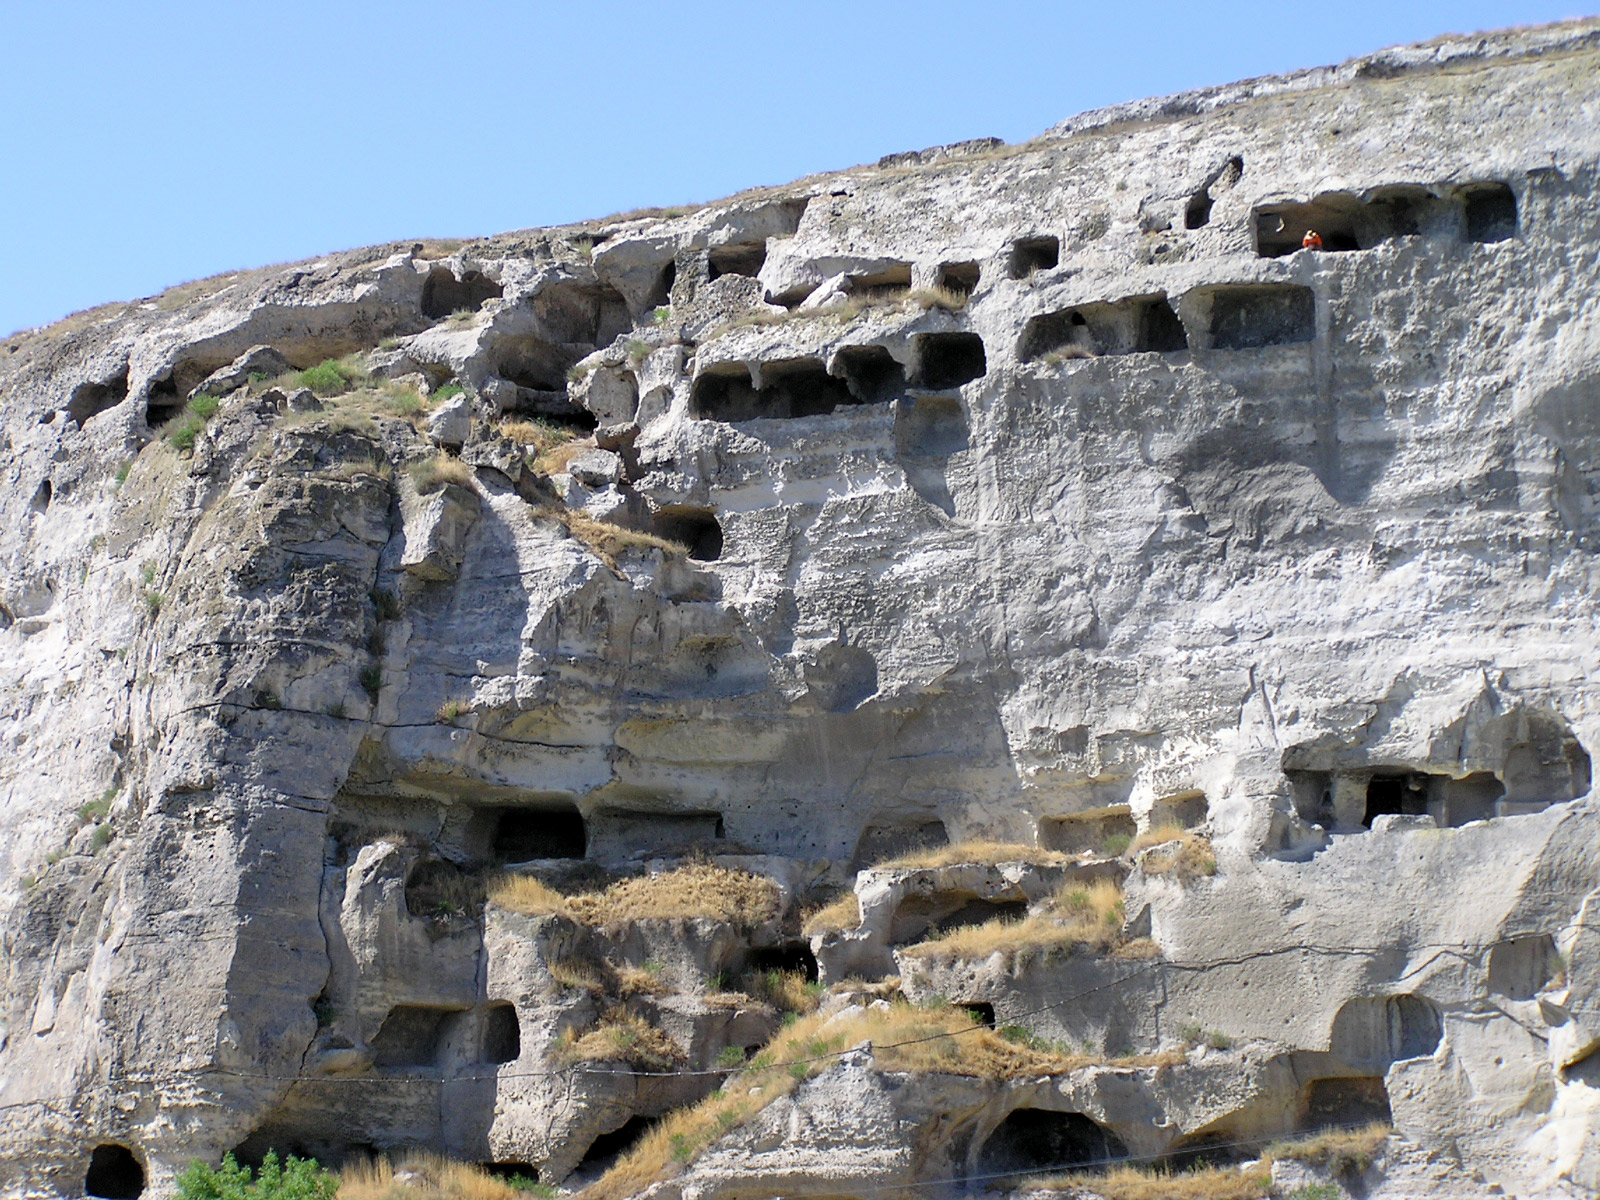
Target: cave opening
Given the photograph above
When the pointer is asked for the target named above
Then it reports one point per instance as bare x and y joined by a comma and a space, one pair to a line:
1344, 1103
1105, 830
115, 1173
1160, 329
1398, 795
787, 957
1491, 212
606, 1149
41, 497
525, 834
737, 258
949, 360
982, 1012
696, 529
661, 294
502, 1034
443, 293
873, 375
1032, 254
896, 277
881, 842
803, 388
1039, 1140
960, 278
413, 1035
436, 887
91, 399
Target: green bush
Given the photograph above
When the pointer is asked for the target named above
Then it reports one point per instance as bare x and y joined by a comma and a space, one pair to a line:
294, 1179
332, 377
448, 392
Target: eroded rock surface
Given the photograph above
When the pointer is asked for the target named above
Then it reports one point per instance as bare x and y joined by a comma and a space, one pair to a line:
1053, 495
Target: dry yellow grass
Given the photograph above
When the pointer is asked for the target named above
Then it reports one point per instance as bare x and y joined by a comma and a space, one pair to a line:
786, 991
939, 297
977, 852
696, 890
1179, 853
429, 1177
555, 457
1089, 916
431, 474
640, 981
607, 540
1339, 1151
582, 974
1131, 1183
620, 1037
839, 914
538, 436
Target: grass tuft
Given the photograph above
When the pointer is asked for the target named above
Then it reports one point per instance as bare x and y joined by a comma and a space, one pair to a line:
608, 541
431, 474
423, 1176
1087, 916
696, 890
331, 377
977, 852
836, 916
1176, 852
1345, 1152
1134, 1183
939, 297
620, 1037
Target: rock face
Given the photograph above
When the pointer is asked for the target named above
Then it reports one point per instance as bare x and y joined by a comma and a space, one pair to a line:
1048, 494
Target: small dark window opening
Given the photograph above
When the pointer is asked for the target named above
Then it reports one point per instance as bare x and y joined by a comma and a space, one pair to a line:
983, 1011
742, 258
1198, 212
878, 843
411, 1035
949, 360
608, 1147
162, 402
1036, 1140
1345, 1103
1395, 794
502, 1034
696, 529
803, 389
436, 887
1050, 332
791, 957
114, 1173
1491, 213
872, 374
981, 912
726, 396
1248, 318
443, 293
41, 497
523, 834
662, 292
1211, 1149
534, 364
91, 399
960, 277
1033, 254
1160, 330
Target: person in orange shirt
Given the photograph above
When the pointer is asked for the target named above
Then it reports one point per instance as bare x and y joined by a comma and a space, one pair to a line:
1311, 241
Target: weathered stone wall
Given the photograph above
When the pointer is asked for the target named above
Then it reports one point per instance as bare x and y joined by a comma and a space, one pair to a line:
1128, 509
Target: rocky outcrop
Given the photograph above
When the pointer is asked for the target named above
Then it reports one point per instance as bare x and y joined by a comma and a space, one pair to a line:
1051, 494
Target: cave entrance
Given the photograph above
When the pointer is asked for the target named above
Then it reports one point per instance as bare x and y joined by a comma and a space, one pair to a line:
894, 278
789, 958
525, 834
622, 833
436, 887
502, 1034
1106, 830
696, 529
961, 278
1251, 317
1036, 1140
606, 1149
1344, 1103
739, 258
982, 1012
1032, 254
414, 1035
92, 399
1491, 212
919, 916
443, 293
1139, 324
1405, 795
1160, 329
115, 1173
949, 360
872, 374
803, 388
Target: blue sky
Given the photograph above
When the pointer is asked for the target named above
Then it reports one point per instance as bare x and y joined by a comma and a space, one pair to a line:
153, 143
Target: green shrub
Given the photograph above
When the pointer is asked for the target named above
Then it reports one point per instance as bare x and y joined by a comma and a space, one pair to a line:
152, 604
294, 1179
385, 604
372, 681
102, 837
122, 471
448, 392
731, 1056
332, 377
1116, 844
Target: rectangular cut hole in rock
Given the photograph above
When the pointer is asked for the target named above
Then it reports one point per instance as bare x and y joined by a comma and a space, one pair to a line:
919, 915
413, 1035
695, 529
443, 293
1032, 254
1136, 325
1491, 212
1101, 831
502, 1034
1184, 809
527, 834
1160, 329
1344, 1103
893, 278
661, 293
740, 258
1251, 317
960, 277
881, 842
930, 427
1404, 795
726, 394
803, 388
948, 360
872, 374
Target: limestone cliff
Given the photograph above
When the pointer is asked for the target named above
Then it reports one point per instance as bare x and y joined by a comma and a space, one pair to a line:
1198, 506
